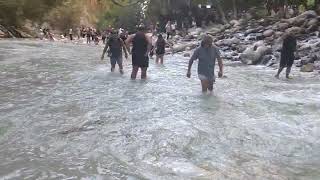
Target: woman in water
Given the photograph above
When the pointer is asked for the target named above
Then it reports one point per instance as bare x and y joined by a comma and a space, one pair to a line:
207, 54
141, 46
160, 48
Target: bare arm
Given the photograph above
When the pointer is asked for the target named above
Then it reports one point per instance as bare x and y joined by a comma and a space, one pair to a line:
124, 49
104, 51
193, 57
129, 41
220, 63
149, 45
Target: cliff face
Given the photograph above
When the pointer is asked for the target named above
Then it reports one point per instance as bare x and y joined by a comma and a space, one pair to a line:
29, 15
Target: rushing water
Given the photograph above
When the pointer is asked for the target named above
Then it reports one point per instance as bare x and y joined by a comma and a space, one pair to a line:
63, 115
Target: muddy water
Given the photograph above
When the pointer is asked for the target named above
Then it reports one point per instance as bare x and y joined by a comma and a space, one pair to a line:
64, 116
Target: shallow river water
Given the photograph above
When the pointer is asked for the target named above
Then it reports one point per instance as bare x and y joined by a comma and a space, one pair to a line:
63, 115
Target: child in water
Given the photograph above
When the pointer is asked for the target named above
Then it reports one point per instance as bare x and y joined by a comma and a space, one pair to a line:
207, 54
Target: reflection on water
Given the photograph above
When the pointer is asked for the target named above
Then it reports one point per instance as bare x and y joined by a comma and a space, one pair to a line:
64, 116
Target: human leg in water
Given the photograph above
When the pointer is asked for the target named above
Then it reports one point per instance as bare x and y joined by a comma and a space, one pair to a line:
134, 73
144, 73
113, 62
205, 85
279, 71
210, 86
288, 70
121, 68
161, 59
157, 59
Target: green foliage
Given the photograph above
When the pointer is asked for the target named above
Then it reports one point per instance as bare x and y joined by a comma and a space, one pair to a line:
13, 12
122, 16
65, 16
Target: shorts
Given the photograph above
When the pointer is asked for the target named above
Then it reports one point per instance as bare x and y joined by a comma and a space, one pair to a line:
140, 61
205, 78
116, 60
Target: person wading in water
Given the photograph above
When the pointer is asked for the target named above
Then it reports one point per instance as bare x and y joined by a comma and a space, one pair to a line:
287, 54
160, 48
141, 46
207, 54
115, 44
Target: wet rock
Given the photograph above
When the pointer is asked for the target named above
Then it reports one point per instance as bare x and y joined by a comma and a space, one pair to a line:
268, 33
295, 30
183, 47
228, 42
307, 68
312, 22
308, 14
235, 23
253, 54
186, 55
282, 26
265, 59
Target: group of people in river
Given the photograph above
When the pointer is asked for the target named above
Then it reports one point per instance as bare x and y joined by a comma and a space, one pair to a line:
141, 43
207, 54
142, 46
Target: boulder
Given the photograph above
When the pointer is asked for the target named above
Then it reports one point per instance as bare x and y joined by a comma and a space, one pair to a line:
253, 54
307, 68
295, 30
282, 26
268, 33
312, 22
308, 14
235, 23
183, 47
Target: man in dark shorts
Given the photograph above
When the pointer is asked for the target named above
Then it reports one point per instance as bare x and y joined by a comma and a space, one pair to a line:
141, 46
287, 54
115, 44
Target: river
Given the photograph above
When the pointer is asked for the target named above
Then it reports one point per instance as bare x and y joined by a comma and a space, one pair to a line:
63, 115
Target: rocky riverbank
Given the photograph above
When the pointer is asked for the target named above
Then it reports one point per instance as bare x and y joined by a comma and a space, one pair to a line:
259, 41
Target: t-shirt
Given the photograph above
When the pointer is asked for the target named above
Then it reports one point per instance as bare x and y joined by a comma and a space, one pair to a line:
115, 44
207, 60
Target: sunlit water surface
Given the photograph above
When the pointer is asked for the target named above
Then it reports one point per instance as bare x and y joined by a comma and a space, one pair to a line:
63, 115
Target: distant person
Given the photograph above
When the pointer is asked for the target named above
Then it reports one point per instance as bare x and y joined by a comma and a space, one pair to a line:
78, 33
70, 34
160, 48
115, 46
141, 46
104, 37
88, 34
287, 54
207, 54
169, 29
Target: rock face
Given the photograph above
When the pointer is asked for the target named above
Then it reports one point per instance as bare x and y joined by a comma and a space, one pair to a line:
307, 68
12, 32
